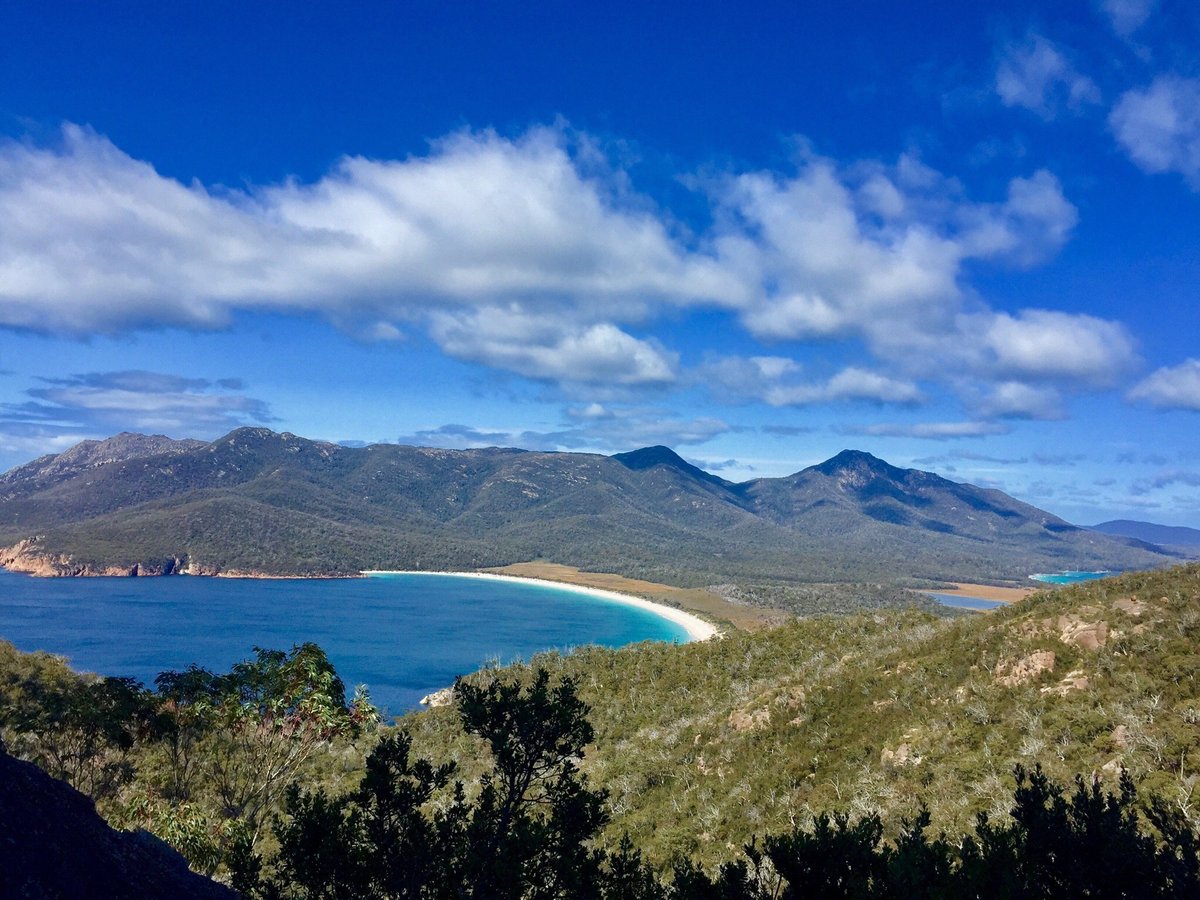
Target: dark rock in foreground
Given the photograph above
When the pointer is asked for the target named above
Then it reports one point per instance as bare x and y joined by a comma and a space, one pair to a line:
53, 844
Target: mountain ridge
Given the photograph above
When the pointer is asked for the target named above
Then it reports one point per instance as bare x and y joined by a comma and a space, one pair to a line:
257, 501
1163, 535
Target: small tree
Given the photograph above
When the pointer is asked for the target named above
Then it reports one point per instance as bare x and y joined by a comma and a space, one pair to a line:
188, 702
269, 716
82, 730
535, 812
526, 835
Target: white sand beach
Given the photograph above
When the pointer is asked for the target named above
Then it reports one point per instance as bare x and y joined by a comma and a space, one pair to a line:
697, 629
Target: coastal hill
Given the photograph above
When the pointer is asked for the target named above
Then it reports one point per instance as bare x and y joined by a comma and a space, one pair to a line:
1175, 536
259, 502
706, 745
701, 747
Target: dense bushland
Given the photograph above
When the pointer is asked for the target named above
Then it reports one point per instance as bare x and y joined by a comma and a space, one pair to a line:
854, 730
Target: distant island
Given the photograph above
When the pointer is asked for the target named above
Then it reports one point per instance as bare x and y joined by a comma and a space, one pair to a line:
260, 503
1166, 535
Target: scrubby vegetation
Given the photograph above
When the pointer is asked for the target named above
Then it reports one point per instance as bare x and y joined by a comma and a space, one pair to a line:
872, 733
833, 598
203, 761
529, 831
704, 745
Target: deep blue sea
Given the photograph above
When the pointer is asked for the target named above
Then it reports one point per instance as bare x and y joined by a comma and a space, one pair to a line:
401, 635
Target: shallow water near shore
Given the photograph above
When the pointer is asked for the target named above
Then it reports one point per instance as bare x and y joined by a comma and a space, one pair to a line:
1071, 576
403, 636
961, 602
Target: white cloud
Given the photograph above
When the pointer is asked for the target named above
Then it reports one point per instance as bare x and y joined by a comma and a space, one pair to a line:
92, 240
1171, 387
830, 268
1159, 127
1034, 222
778, 381
1036, 75
1045, 344
849, 384
101, 402
622, 428
1017, 400
1127, 16
530, 256
545, 348
938, 431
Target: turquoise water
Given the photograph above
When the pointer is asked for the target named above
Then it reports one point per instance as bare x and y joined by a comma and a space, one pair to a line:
402, 635
964, 602
1069, 577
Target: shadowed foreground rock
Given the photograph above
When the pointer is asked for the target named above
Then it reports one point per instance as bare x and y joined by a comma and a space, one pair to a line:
53, 844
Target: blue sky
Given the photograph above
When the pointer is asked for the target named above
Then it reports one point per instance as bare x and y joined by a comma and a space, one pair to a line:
963, 237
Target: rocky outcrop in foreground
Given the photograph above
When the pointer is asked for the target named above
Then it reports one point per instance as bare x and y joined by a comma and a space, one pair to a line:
53, 844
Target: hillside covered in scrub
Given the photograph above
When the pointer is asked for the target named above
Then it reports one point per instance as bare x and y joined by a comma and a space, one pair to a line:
683, 754
678, 755
258, 502
703, 746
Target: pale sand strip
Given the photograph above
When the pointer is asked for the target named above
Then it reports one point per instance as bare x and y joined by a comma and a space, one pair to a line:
697, 629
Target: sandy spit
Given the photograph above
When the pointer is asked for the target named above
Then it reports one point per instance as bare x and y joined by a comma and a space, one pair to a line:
697, 629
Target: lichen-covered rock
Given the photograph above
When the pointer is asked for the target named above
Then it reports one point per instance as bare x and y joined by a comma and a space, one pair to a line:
442, 697
1010, 673
1085, 635
901, 756
749, 720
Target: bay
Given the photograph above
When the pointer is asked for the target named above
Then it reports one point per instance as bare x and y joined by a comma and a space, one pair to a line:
403, 636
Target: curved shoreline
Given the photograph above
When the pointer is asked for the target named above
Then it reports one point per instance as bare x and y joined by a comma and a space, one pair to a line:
696, 628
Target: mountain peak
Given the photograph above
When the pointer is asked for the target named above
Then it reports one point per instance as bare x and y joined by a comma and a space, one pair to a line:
658, 455
648, 457
92, 454
857, 461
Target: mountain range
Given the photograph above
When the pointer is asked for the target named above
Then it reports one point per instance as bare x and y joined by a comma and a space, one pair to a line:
260, 502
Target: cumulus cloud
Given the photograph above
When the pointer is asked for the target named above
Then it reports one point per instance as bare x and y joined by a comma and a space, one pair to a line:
92, 240
829, 266
548, 349
1127, 16
1171, 387
778, 381
1017, 400
1045, 344
849, 384
532, 255
98, 403
1037, 75
103, 241
1159, 126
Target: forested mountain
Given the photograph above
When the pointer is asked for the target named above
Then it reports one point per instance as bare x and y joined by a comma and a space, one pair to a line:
256, 501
